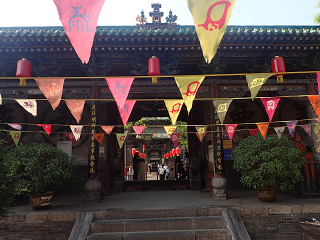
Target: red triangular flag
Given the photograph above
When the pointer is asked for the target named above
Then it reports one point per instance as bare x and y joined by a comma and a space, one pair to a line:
175, 138
98, 137
231, 129
126, 111
52, 90
76, 108
318, 79
120, 87
253, 132
47, 128
107, 129
138, 129
79, 19
270, 105
263, 127
71, 137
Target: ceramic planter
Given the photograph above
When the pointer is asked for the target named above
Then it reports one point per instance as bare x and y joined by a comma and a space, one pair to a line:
41, 201
267, 194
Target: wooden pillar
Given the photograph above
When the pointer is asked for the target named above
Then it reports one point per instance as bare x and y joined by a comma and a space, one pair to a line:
310, 89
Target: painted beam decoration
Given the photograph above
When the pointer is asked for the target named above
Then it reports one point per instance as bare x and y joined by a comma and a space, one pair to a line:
210, 31
79, 19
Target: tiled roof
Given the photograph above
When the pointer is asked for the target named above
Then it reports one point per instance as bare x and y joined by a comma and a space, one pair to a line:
180, 30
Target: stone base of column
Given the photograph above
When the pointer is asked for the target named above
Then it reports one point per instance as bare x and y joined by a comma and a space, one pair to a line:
93, 191
219, 184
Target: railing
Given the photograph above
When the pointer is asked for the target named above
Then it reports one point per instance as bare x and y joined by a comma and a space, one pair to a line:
311, 185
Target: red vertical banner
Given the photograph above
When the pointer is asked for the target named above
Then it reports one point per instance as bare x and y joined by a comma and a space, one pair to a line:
79, 19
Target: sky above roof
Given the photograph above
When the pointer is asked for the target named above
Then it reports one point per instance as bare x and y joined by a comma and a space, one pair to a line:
17, 13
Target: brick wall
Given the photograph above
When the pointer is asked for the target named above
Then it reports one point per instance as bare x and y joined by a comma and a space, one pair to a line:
43, 230
282, 227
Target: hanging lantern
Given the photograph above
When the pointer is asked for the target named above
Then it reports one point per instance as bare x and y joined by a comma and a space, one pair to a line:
164, 145
277, 65
143, 147
140, 155
173, 152
23, 70
170, 153
154, 68
178, 151
133, 151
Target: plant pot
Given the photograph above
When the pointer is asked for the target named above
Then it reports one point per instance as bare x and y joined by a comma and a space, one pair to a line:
41, 201
267, 194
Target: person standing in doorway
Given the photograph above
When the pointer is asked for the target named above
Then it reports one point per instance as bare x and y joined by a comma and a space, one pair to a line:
186, 164
135, 161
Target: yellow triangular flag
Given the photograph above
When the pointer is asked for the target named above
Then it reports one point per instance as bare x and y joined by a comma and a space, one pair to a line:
121, 137
188, 87
255, 82
222, 106
15, 136
201, 132
210, 31
170, 129
174, 108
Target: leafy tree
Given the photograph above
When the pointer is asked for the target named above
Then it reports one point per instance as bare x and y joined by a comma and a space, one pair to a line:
317, 17
8, 183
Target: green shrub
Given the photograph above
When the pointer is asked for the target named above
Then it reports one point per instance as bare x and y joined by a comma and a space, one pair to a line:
268, 163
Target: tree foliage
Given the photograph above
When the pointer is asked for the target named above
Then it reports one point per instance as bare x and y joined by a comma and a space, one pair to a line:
268, 163
317, 16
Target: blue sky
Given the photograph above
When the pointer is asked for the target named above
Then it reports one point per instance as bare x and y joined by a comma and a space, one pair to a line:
16, 13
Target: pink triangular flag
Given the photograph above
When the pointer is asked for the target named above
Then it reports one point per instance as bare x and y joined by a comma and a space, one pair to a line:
270, 105
52, 90
107, 129
175, 138
29, 105
126, 111
138, 129
253, 132
76, 108
307, 129
71, 137
47, 128
15, 126
79, 19
120, 87
231, 129
291, 126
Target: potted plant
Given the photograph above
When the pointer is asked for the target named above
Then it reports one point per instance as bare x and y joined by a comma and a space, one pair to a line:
41, 167
268, 164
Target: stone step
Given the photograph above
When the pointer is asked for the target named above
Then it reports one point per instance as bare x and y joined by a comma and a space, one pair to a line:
201, 234
114, 214
158, 224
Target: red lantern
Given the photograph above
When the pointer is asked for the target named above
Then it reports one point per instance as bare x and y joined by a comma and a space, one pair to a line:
178, 151
173, 152
277, 65
154, 68
140, 155
164, 145
133, 151
23, 70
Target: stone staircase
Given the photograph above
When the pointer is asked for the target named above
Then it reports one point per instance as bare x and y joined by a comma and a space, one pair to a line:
160, 224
